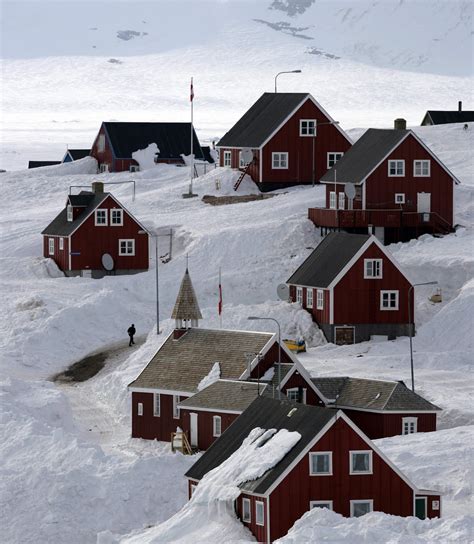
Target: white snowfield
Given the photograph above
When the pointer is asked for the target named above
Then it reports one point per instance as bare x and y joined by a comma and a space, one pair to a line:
69, 470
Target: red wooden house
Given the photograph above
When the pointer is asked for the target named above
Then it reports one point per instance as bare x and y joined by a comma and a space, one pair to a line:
292, 138
334, 465
354, 289
94, 236
389, 183
116, 142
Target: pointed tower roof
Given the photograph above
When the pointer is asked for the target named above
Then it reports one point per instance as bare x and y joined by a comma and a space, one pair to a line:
186, 306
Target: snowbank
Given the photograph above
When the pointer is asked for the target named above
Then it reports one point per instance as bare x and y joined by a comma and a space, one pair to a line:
213, 376
146, 157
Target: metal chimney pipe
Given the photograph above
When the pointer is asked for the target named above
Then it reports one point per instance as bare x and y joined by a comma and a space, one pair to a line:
460, 105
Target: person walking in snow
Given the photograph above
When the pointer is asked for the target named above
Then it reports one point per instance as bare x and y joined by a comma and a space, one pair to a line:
131, 332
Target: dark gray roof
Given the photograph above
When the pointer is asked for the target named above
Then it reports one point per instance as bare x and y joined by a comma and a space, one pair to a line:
84, 198
77, 154
330, 387
262, 119
39, 164
365, 155
285, 368
181, 364
265, 413
172, 139
444, 117
60, 226
328, 259
226, 395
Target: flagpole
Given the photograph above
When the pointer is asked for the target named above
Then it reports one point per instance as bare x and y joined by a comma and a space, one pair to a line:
220, 298
192, 130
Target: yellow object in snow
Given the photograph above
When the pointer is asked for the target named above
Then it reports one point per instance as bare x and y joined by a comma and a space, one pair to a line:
297, 346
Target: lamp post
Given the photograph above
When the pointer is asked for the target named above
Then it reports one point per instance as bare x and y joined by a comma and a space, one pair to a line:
412, 320
286, 72
313, 174
256, 318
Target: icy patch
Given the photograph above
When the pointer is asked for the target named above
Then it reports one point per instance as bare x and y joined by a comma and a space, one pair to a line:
146, 157
213, 376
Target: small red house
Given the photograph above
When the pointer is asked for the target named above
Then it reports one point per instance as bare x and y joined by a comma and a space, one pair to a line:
333, 465
354, 289
94, 236
292, 138
116, 142
390, 184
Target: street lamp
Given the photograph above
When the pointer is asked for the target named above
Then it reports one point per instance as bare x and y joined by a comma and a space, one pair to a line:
411, 320
313, 173
255, 318
287, 72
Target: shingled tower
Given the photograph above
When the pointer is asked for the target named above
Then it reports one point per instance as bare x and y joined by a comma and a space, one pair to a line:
186, 310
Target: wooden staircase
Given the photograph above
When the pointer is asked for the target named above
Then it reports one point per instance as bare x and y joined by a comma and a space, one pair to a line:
243, 173
179, 442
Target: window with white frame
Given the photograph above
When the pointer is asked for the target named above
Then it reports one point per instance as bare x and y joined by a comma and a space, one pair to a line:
396, 168
134, 168
104, 167
299, 295
333, 157
227, 158
399, 198
100, 217
280, 161
360, 462
361, 507
409, 425
422, 169
116, 217
320, 463
332, 200
127, 248
342, 201
175, 406
61, 244
389, 300
307, 127
372, 268
156, 404
101, 143
51, 246
242, 163
309, 298
216, 426
70, 213
140, 408
321, 504
294, 394
246, 510
259, 513
319, 299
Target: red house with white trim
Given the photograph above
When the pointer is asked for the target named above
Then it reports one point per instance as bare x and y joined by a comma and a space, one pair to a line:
354, 289
292, 139
333, 465
94, 236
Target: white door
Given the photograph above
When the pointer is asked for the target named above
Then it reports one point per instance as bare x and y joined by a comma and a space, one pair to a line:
194, 428
424, 202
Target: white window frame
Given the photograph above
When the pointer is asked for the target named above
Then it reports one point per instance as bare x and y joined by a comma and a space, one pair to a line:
104, 167
389, 308
112, 211
126, 253
410, 421
296, 389
360, 452
319, 299
399, 198
227, 158
373, 269
61, 244
176, 409
319, 504
317, 454
246, 510
50, 246
259, 520
308, 127
156, 404
421, 163
96, 216
333, 157
242, 164
216, 426
362, 501
396, 163
70, 213
134, 168
309, 298
101, 143
341, 201
332, 200
277, 158
299, 295
139, 408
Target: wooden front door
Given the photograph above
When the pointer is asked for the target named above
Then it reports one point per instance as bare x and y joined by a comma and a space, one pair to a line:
420, 507
193, 424
344, 335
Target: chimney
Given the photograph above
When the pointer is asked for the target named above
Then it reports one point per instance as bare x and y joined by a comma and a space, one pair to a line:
97, 187
460, 105
400, 124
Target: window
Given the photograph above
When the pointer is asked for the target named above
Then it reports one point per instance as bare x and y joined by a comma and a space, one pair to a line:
372, 268
360, 462
61, 244
100, 217
242, 164
333, 157
104, 167
299, 295
307, 127
70, 213
409, 425
321, 504
246, 511
309, 298
294, 395
101, 143
320, 464
259, 513
140, 408
319, 299
280, 161
51, 246
399, 198
175, 406
127, 248
396, 169
156, 404
389, 300
342, 200
361, 507
116, 217
134, 168
216, 426
332, 200
422, 169
227, 158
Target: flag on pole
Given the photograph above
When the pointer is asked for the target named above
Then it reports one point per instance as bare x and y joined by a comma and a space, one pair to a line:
219, 306
192, 90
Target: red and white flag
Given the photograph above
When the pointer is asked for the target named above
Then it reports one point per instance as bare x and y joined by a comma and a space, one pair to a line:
219, 306
192, 90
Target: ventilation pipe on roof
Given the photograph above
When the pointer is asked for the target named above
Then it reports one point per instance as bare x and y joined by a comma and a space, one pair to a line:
400, 124
460, 105
97, 187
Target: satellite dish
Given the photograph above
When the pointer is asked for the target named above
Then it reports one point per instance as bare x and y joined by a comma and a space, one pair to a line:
247, 155
350, 190
283, 292
107, 262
